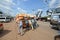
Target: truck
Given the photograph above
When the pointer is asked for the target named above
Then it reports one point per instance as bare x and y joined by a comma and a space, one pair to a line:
45, 18
55, 18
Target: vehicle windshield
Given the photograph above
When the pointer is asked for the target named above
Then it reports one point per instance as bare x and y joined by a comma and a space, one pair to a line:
55, 17
57, 10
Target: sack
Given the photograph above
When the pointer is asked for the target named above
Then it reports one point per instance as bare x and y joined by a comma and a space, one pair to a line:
21, 18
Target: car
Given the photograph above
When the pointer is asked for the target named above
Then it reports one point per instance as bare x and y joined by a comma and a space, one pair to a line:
1, 27
55, 21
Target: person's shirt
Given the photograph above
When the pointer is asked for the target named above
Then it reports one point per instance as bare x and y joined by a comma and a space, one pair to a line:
35, 20
20, 24
32, 20
26, 21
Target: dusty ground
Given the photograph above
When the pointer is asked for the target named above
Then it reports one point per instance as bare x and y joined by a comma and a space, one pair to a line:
43, 32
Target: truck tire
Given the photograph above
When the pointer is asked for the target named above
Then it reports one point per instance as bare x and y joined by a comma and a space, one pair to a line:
58, 27
57, 37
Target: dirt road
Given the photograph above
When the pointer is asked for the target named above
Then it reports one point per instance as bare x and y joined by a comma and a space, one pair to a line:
43, 32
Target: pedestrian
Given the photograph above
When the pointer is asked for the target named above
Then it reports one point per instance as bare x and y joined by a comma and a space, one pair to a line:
30, 24
33, 23
20, 29
27, 23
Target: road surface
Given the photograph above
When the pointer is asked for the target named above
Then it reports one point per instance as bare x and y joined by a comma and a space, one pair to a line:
43, 32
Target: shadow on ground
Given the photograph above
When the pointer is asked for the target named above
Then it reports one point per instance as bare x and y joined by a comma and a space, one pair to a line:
31, 28
37, 26
4, 32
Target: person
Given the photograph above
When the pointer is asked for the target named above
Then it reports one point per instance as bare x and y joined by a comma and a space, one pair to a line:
30, 24
33, 23
20, 30
27, 23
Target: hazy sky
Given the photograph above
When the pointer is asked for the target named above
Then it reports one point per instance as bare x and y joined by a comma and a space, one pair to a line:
17, 6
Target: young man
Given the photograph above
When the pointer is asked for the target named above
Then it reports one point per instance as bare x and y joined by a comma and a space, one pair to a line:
33, 23
30, 24
27, 23
20, 30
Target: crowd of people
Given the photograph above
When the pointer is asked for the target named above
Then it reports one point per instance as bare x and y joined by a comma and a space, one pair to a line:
26, 23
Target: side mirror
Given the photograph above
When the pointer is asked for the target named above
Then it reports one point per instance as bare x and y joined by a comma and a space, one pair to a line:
57, 37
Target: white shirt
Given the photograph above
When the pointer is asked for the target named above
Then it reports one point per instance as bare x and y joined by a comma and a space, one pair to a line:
20, 23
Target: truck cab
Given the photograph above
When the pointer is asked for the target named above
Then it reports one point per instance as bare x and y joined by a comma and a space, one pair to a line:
55, 18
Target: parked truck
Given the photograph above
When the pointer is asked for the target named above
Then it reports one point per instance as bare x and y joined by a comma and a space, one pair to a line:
55, 18
45, 18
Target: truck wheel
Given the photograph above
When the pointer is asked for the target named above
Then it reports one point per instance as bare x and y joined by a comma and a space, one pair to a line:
57, 37
58, 27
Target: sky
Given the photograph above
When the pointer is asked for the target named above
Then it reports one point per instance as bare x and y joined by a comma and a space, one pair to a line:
14, 7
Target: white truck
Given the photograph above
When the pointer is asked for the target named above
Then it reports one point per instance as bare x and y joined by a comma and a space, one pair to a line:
55, 18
